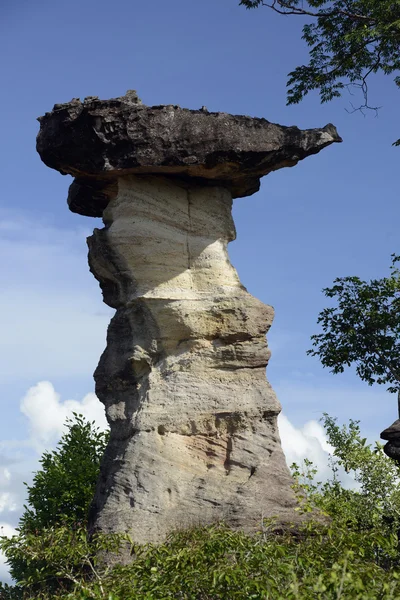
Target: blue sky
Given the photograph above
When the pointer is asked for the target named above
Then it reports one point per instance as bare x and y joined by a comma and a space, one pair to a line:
334, 214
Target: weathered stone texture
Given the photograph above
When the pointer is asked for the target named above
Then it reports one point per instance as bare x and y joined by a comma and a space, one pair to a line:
98, 141
193, 420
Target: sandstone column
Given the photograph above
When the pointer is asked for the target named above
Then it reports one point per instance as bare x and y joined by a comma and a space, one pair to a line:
194, 436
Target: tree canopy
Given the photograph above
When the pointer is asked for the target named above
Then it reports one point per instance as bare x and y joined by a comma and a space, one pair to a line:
64, 486
62, 489
349, 40
363, 328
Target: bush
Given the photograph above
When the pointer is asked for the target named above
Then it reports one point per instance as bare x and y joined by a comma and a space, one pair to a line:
313, 562
352, 555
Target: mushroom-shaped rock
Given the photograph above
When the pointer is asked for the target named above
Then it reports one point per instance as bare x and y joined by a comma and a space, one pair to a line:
392, 436
98, 141
193, 420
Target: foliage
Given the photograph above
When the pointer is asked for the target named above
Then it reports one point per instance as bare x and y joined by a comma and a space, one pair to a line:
218, 563
363, 328
62, 489
58, 560
352, 555
348, 39
375, 503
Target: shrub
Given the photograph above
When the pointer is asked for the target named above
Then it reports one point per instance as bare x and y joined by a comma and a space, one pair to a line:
352, 555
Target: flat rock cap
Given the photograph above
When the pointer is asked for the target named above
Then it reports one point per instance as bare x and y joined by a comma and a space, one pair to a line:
98, 141
392, 433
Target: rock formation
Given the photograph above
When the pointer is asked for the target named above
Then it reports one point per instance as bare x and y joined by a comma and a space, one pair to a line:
193, 420
392, 437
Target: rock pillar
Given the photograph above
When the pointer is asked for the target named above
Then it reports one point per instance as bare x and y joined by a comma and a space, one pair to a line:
193, 419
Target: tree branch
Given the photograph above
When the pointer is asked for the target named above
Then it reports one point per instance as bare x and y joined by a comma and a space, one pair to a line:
292, 10
387, 365
364, 87
353, 53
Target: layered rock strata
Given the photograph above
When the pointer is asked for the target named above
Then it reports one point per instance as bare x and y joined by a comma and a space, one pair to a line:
193, 420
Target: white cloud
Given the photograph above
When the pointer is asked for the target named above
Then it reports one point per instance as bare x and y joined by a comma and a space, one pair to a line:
310, 441
313, 430
46, 413
306, 442
7, 530
7, 502
5, 476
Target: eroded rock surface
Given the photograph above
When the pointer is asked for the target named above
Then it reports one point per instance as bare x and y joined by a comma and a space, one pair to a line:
193, 420
97, 141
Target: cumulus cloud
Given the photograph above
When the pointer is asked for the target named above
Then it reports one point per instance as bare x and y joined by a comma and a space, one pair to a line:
46, 413
310, 441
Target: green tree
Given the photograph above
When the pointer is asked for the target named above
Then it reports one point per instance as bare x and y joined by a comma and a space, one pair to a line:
61, 491
64, 486
375, 502
363, 329
349, 40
